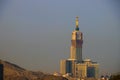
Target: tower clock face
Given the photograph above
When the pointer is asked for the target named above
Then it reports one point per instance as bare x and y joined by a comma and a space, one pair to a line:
78, 36
73, 36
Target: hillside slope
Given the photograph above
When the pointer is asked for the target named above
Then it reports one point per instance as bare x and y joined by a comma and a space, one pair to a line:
14, 72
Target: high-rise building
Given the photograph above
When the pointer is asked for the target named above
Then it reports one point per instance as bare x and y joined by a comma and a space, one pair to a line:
76, 43
75, 66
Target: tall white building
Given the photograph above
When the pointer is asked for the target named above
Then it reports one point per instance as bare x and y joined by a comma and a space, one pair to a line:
75, 66
76, 44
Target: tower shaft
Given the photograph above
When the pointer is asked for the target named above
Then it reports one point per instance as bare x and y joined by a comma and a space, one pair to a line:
76, 44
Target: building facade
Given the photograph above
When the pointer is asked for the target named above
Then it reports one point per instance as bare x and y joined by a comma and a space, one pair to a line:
75, 66
1, 71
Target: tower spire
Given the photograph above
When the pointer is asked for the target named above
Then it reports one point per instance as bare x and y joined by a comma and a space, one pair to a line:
77, 24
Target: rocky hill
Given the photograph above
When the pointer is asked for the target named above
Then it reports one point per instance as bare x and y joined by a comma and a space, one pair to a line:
14, 72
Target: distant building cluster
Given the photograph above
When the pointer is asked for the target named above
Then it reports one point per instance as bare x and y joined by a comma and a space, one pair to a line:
106, 77
75, 66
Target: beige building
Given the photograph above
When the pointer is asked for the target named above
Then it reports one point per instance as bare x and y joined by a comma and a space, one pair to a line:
87, 69
75, 66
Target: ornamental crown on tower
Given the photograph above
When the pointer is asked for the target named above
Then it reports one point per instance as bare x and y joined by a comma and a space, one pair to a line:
77, 24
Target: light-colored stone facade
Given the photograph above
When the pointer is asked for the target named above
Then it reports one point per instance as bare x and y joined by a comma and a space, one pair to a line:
75, 66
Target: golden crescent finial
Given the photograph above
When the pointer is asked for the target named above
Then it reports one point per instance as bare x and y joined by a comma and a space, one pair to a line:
77, 22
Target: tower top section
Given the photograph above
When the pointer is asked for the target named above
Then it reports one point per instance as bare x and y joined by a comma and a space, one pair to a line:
77, 24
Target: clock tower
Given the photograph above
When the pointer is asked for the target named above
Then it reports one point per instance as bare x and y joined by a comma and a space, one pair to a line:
76, 43
75, 66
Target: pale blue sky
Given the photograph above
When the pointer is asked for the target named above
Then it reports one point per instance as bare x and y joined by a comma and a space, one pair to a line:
36, 34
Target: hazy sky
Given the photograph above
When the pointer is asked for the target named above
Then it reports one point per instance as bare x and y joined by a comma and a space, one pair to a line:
36, 34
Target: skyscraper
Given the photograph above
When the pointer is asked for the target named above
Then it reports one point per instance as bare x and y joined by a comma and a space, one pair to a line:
75, 66
76, 43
